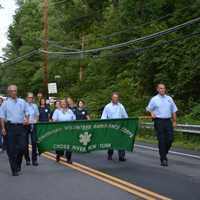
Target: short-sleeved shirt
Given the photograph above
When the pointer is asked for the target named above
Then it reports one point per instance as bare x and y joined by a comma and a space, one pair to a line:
44, 113
114, 111
33, 112
14, 110
81, 114
61, 115
74, 108
162, 106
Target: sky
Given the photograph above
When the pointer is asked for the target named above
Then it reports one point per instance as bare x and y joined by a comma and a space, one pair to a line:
6, 18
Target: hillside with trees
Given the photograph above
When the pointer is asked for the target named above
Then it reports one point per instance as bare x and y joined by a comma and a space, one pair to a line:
76, 26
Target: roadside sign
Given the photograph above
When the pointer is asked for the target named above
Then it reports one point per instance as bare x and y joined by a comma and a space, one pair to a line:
52, 88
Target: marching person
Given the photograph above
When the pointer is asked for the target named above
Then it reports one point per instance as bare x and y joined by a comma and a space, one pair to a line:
115, 110
13, 114
163, 112
61, 115
71, 104
44, 111
33, 114
56, 106
81, 112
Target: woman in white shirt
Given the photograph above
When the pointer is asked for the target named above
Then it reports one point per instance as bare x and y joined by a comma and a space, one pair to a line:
60, 115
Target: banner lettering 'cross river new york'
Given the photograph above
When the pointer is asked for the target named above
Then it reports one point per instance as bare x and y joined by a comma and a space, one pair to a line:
88, 135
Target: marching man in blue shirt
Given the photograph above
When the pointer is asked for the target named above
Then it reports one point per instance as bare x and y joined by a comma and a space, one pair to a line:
163, 112
115, 110
13, 114
33, 114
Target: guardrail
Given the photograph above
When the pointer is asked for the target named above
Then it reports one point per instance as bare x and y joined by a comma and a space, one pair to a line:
184, 128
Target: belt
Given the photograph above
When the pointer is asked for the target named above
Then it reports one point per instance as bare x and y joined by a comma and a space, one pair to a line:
14, 124
162, 118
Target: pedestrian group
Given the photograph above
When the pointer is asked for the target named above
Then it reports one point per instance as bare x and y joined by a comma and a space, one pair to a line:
18, 118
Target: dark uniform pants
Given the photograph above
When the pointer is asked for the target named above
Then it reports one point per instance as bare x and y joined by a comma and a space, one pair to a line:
32, 132
16, 142
121, 153
164, 132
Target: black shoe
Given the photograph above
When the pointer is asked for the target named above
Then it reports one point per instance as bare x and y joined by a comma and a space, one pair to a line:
164, 163
122, 159
69, 161
15, 173
57, 158
35, 163
109, 157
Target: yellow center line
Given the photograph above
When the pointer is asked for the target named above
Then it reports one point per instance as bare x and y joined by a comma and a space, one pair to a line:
124, 185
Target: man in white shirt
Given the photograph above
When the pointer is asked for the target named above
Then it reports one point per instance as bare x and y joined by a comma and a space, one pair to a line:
163, 111
33, 114
115, 110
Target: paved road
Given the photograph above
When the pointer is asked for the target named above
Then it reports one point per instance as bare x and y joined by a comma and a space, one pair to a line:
179, 181
51, 181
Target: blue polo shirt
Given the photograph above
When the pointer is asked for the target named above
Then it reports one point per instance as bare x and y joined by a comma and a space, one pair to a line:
14, 110
162, 106
61, 115
114, 111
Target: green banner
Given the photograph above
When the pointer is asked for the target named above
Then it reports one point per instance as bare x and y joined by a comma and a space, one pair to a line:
88, 135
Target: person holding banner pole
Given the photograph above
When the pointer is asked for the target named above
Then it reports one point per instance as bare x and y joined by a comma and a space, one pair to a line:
60, 115
115, 110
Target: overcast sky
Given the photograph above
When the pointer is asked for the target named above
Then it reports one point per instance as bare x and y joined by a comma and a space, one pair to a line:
6, 18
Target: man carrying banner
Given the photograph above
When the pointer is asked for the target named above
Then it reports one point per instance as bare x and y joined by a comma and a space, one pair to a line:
13, 114
115, 110
163, 109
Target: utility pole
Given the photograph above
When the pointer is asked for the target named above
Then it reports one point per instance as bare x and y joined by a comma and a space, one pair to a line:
45, 16
82, 56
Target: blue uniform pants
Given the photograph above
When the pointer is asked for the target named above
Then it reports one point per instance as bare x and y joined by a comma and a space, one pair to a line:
164, 132
32, 132
1, 140
16, 142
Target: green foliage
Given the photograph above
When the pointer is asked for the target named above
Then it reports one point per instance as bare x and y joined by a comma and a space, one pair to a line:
132, 74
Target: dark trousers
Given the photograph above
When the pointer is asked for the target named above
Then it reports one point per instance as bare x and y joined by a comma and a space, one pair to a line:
32, 132
16, 142
1, 140
121, 153
164, 132
68, 154
4, 142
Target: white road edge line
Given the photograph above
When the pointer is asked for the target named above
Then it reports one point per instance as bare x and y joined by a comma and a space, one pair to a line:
171, 152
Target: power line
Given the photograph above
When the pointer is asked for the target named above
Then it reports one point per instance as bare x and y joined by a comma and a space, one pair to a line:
62, 47
142, 49
138, 50
19, 58
130, 42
